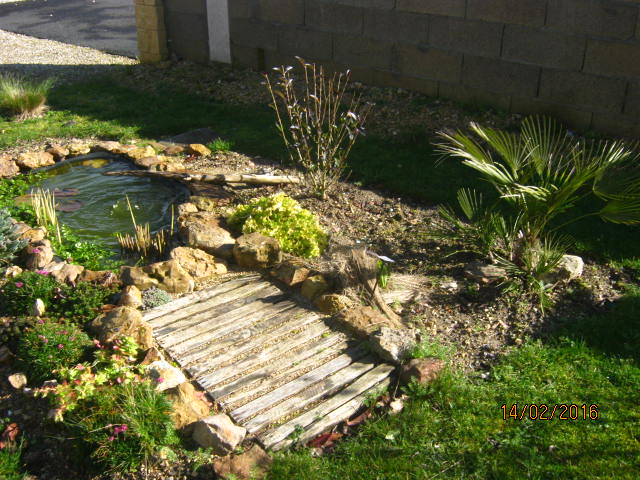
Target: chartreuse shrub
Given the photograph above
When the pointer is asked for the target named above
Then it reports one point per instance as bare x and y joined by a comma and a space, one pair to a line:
281, 217
49, 347
126, 425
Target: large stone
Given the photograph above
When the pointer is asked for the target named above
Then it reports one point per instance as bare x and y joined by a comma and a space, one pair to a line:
39, 254
206, 204
123, 322
148, 162
101, 277
332, 303
164, 375
569, 268
422, 370
218, 432
131, 296
185, 208
198, 150
17, 380
58, 152
292, 272
483, 273
314, 286
362, 320
32, 160
139, 153
189, 406
38, 308
252, 464
8, 167
255, 250
67, 273
174, 150
395, 345
78, 148
108, 146
168, 276
208, 232
168, 167
12, 271
31, 234
198, 263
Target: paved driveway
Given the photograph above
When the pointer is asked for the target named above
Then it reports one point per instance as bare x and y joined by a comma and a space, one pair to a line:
106, 25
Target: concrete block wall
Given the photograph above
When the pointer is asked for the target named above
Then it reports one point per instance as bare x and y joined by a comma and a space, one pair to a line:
576, 59
187, 29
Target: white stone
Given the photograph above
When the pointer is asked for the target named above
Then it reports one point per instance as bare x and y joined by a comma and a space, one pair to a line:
218, 432
164, 375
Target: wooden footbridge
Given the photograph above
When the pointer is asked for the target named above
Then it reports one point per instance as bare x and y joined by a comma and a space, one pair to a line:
275, 367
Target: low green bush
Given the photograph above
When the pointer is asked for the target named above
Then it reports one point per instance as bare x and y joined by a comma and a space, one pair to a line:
281, 217
82, 252
11, 329
126, 426
48, 347
154, 297
18, 295
79, 304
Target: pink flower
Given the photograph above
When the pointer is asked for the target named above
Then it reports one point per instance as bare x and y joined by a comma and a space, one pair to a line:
40, 321
69, 259
77, 382
42, 272
124, 427
19, 284
72, 338
45, 340
80, 366
60, 345
119, 380
112, 438
160, 379
36, 250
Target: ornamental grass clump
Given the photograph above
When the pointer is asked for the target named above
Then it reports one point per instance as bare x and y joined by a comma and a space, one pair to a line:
22, 98
281, 217
318, 130
539, 176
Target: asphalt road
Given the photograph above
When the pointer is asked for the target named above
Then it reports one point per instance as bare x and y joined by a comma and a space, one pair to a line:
106, 25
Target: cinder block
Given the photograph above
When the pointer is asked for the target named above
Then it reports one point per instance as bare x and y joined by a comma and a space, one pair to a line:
478, 38
607, 19
543, 47
569, 116
149, 17
587, 91
305, 43
333, 17
290, 12
396, 26
450, 8
519, 12
499, 76
248, 57
188, 36
361, 52
429, 63
243, 8
198, 7
632, 100
475, 96
252, 33
618, 125
612, 58
152, 41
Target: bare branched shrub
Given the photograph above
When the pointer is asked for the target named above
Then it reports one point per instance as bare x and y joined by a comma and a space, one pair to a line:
316, 127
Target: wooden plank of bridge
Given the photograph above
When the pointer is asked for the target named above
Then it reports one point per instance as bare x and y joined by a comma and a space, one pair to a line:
270, 362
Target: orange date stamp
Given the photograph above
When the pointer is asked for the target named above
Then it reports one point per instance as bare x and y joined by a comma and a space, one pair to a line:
542, 411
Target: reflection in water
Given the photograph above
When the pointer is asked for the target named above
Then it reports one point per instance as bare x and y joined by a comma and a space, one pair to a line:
94, 205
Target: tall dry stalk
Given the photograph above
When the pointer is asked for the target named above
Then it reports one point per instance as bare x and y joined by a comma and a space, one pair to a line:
142, 242
317, 129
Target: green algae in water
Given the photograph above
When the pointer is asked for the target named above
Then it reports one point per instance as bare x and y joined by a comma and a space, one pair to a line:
94, 205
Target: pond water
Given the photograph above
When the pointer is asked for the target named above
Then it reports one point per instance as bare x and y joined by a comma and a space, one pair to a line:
95, 206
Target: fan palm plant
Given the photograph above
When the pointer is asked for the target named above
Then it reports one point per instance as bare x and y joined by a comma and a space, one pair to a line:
539, 175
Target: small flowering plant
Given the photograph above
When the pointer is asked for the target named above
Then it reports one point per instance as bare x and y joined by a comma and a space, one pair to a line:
113, 365
48, 348
19, 294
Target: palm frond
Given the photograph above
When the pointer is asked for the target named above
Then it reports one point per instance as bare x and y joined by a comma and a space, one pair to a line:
622, 211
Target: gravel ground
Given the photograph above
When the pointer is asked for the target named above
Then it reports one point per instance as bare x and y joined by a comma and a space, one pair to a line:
33, 56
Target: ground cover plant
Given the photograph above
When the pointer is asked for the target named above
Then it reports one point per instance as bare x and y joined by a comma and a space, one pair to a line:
281, 217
